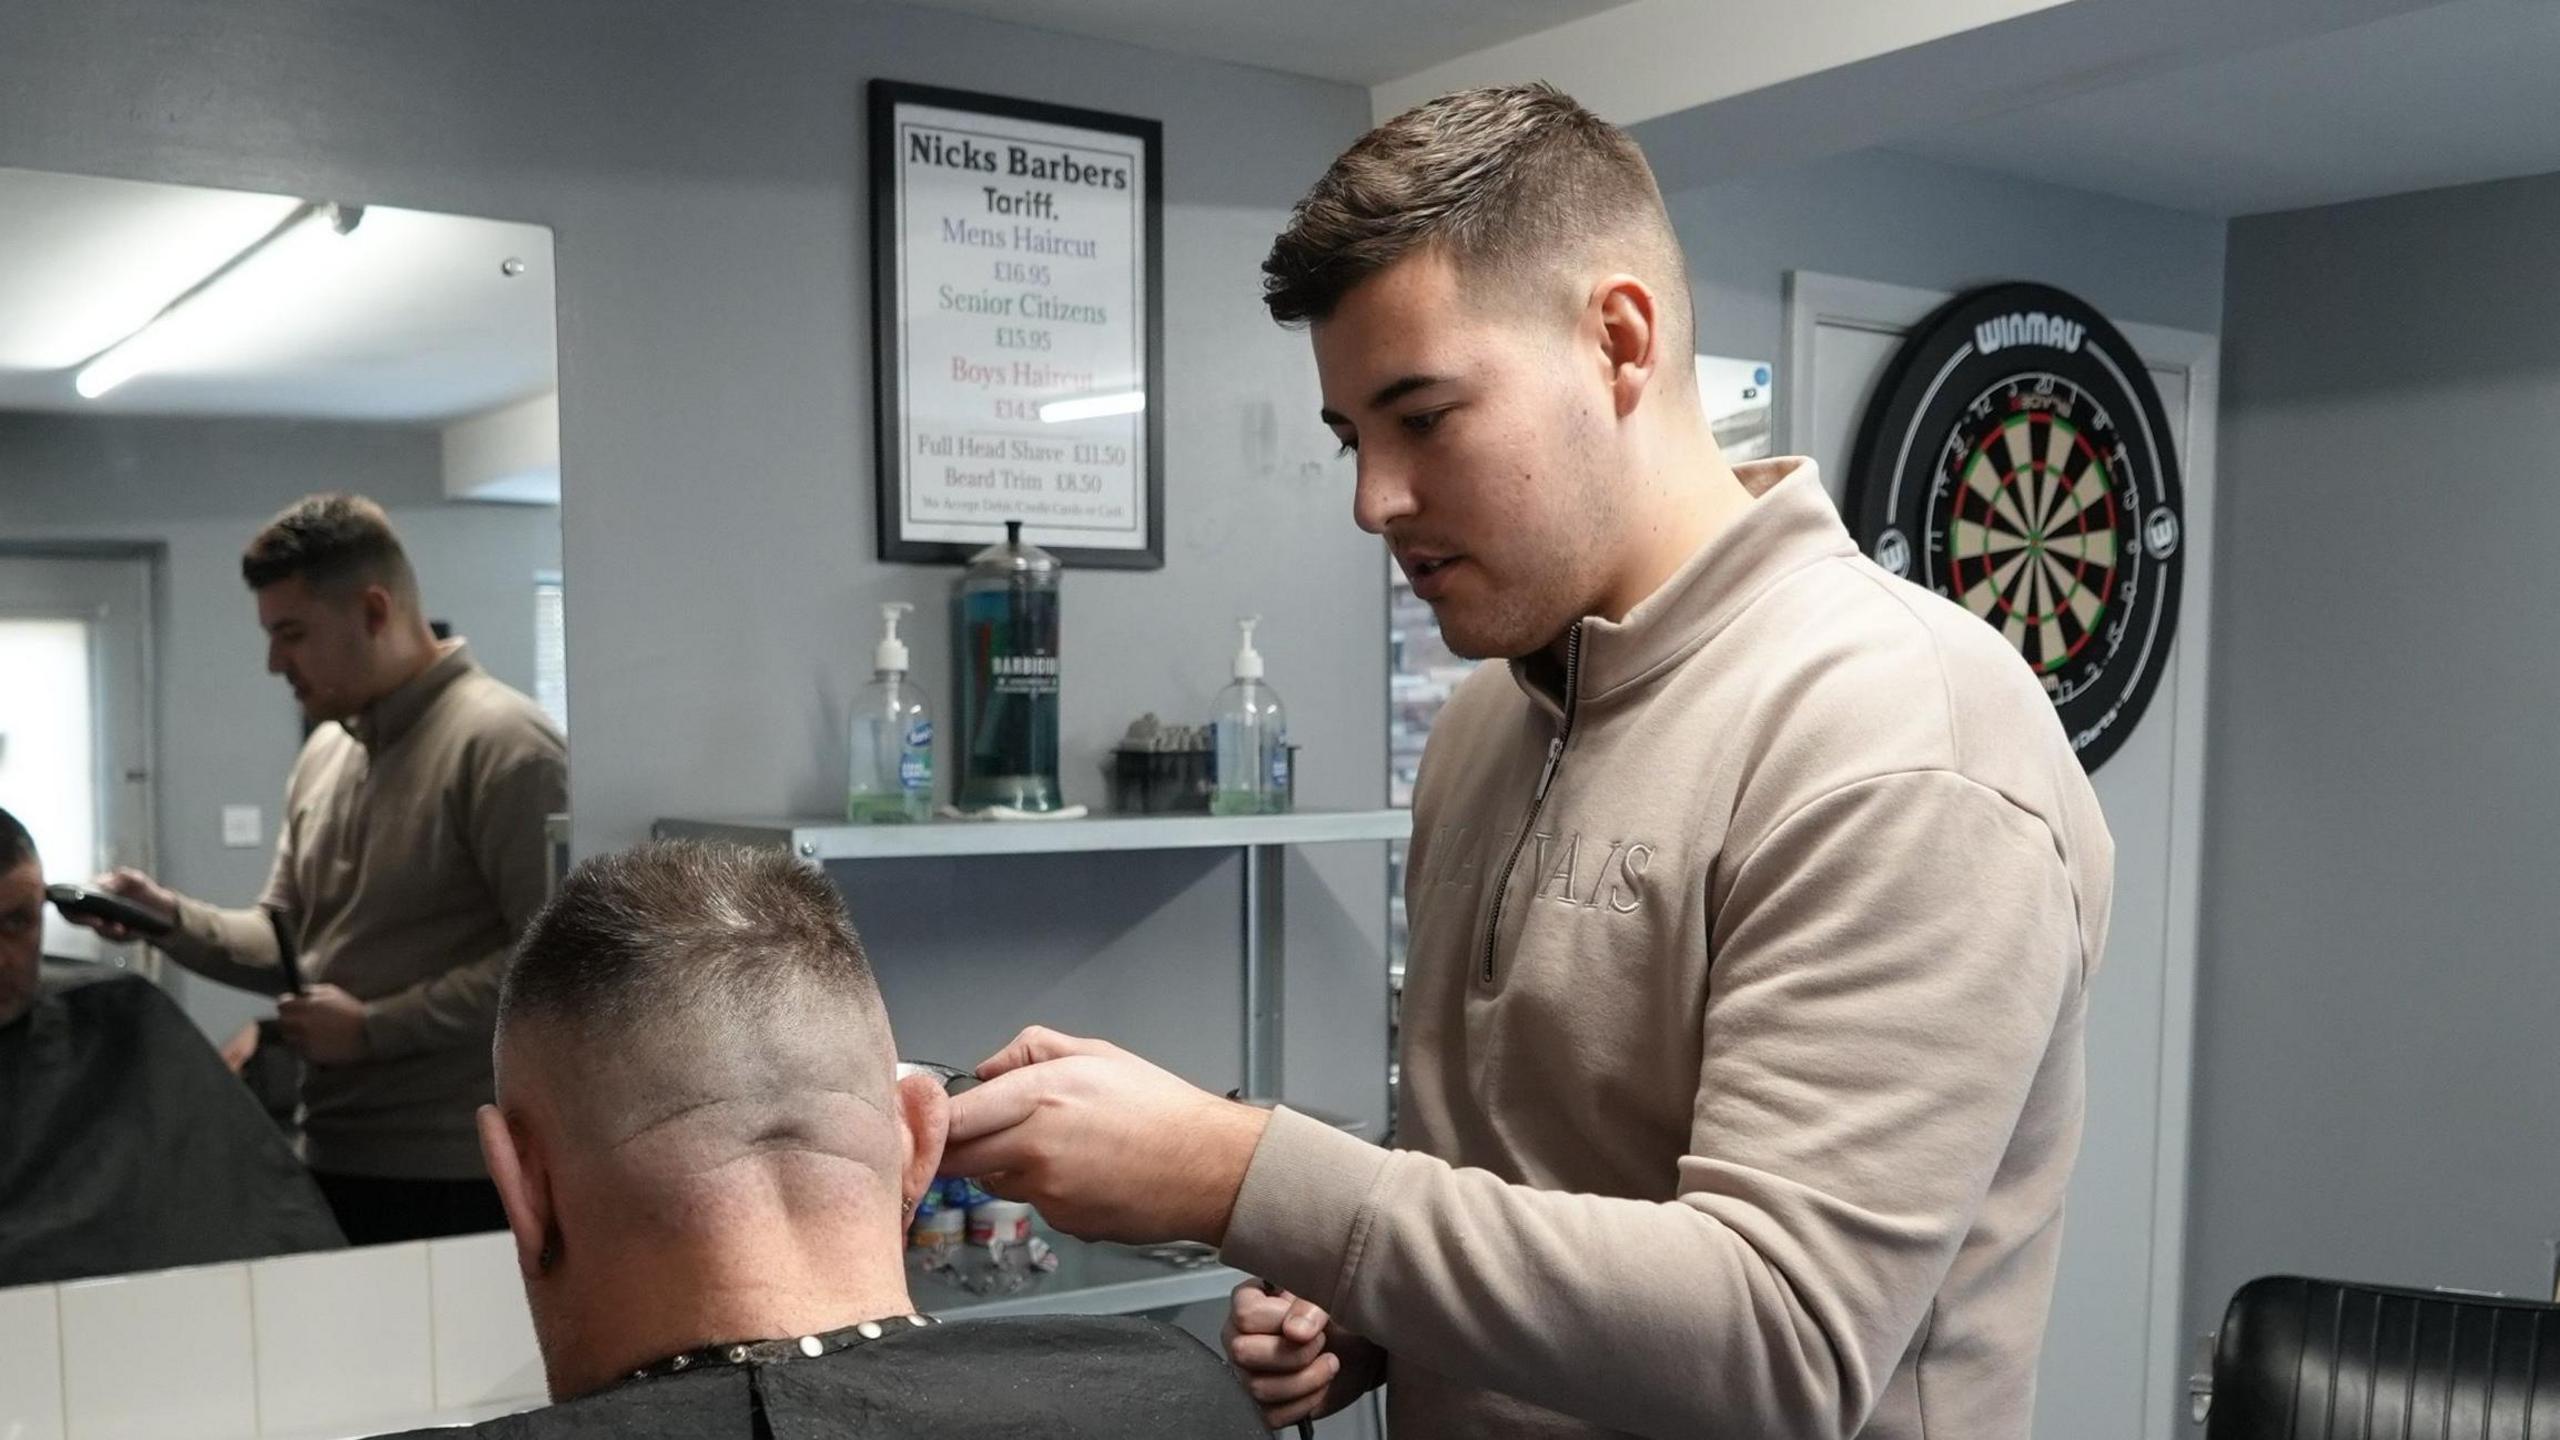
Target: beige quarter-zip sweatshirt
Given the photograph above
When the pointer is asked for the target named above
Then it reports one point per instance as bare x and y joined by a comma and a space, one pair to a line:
413, 856
1742, 1059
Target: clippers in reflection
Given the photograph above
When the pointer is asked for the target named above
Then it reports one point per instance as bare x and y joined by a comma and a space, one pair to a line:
79, 902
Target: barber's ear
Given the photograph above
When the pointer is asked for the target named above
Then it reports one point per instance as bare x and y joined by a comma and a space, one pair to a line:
524, 1187
1631, 336
378, 610
924, 1123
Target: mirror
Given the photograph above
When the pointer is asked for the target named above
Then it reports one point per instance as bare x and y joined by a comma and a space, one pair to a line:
358, 764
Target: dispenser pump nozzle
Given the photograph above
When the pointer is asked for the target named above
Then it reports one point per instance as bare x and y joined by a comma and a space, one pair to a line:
1248, 659
891, 653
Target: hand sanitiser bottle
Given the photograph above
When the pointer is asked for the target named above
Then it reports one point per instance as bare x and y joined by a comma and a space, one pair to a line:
1252, 738
891, 777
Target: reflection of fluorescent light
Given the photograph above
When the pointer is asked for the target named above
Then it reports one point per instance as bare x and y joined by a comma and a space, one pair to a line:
280, 257
1094, 407
127, 358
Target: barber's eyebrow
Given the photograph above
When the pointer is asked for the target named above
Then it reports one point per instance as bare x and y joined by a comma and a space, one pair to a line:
1388, 394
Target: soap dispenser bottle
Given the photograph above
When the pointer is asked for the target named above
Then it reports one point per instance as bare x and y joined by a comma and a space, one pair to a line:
1251, 733
890, 779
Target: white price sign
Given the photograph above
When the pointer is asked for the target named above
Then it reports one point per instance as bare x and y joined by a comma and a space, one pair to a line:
1017, 282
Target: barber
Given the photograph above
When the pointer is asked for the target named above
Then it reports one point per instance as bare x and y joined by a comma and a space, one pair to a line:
412, 857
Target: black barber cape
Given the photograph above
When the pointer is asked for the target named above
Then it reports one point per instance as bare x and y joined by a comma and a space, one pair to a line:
125, 1144
1068, 1377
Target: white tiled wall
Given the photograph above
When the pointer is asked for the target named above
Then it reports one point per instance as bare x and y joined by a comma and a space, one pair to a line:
307, 1347
147, 1357
342, 1339
484, 1349
30, 1365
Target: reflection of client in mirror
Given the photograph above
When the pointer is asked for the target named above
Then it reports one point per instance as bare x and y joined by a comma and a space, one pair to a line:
411, 858
122, 1144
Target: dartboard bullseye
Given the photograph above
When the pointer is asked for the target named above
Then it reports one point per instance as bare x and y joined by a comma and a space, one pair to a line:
2016, 459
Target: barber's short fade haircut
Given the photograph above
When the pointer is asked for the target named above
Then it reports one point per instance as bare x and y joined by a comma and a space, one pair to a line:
1504, 179
336, 543
681, 932
17, 847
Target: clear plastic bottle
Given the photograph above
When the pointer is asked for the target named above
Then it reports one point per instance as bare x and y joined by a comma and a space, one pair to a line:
890, 778
1251, 732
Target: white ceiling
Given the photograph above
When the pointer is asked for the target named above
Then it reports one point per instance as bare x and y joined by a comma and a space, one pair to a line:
1358, 42
1650, 58
409, 318
2448, 95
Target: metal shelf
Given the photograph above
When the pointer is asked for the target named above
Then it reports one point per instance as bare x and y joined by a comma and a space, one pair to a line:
1261, 839
823, 840
1091, 1279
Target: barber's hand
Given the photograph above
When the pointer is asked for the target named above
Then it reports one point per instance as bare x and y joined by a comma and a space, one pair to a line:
324, 1025
239, 1049
132, 885
1297, 1365
1107, 1146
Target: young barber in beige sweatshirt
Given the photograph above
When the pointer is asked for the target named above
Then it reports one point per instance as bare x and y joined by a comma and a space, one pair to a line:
1754, 902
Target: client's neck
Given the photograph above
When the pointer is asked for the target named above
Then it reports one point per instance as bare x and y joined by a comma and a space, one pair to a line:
634, 1301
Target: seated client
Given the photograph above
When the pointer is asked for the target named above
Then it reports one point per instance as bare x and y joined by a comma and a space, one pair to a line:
707, 1161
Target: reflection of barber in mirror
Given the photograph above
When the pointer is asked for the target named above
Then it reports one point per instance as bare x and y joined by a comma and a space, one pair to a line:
123, 1145
411, 858
1753, 900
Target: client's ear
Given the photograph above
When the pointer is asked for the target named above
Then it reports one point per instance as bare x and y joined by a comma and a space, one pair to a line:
524, 1187
924, 1122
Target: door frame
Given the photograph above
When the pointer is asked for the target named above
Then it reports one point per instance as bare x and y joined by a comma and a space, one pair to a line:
138, 842
1814, 300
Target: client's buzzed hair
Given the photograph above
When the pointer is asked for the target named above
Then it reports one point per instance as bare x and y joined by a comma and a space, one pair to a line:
712, 998
674, 927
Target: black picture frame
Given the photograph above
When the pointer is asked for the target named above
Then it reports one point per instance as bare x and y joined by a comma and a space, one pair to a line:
892, 452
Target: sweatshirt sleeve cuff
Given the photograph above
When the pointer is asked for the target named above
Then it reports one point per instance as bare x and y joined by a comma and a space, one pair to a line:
1305, 1206
197, 935
216, 942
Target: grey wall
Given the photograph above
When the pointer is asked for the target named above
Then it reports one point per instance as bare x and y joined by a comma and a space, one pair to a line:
1885, 216
702, 168
194, 491
2375, 1067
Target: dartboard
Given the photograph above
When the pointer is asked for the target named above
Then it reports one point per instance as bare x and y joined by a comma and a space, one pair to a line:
2016, 460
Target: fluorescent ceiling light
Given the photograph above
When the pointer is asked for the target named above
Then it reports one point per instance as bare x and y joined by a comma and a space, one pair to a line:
1094, 407
207, 316
127, 358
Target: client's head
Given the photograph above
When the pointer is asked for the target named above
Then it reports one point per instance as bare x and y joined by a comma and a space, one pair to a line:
21, 918
699, 1133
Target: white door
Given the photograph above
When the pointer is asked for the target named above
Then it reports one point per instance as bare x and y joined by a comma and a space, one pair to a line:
75, 720
2112, 1361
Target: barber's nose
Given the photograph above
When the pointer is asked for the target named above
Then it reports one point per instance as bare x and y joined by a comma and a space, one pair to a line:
1382, 496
